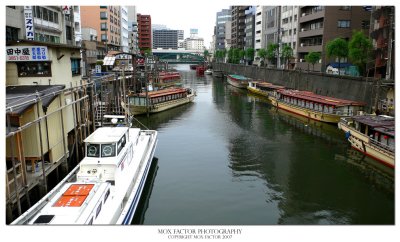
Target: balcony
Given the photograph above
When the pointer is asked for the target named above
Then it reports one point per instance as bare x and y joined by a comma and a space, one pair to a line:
310, 32
309, 48
312, 16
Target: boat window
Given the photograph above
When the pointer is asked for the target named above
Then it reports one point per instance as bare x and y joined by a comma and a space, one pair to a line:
106, 195
91, 221
93, 150
44, 219
108, 150
121, 143
98, 210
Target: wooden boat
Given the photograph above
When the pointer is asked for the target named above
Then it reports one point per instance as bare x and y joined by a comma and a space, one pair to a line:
265, 89
160, 100
372, 135
106, 186
313, 106
168, 79
238, 81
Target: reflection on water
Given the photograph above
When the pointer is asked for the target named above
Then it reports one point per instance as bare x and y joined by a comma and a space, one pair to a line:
232, 158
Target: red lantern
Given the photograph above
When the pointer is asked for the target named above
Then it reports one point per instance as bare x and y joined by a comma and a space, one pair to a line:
385, 137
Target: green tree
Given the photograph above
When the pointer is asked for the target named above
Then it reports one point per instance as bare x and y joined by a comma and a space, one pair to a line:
287, 53
230, 55
206, 54
337, 48
360, 50
250, 54
242, 53
236, 55
271, 53
312, 58
262, 53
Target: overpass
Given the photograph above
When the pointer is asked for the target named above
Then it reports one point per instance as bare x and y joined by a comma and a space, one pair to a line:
180, 56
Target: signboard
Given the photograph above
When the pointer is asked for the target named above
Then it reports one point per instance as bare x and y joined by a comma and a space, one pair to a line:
98, 68
27, 53
65, 9
29, 29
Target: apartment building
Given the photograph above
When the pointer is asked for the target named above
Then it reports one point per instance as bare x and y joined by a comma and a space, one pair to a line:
320, 24
144, 32
220, 32
238, 26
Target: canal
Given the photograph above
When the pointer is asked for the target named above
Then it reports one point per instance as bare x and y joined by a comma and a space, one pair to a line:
230, 158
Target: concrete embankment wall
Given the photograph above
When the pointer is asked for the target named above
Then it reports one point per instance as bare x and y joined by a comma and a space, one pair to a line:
351, 88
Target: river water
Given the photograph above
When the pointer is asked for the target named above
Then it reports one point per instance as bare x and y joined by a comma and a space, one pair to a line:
230, 158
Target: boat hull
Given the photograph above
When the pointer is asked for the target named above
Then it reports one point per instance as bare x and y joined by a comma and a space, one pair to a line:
312, 114
237, 83
362, 143
156, 108
257, 91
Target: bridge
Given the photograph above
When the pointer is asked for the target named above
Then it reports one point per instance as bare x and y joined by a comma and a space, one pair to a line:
180, 56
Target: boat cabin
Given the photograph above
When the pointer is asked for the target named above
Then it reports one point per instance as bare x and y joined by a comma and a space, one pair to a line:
160, 96
319, 103
380, 129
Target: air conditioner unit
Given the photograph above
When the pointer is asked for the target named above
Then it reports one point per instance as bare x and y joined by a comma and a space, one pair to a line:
302, 44
303, 14
301, 60
302, 30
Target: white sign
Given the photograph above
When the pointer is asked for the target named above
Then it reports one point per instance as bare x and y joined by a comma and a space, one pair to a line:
98, 68
27, 53
29, 29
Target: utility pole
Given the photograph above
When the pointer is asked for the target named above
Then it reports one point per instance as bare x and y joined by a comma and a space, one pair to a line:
390, 43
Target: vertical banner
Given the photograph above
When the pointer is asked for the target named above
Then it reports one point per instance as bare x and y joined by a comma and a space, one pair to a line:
29, 28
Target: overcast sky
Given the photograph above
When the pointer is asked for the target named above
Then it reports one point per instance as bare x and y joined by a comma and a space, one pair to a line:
185, 15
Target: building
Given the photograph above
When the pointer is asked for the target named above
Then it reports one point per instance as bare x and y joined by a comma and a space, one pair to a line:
238, 26
194, 43
106, 20
382, 35
228, 35
50, 24
89, 50
250, 28
77, 25
289, 24
222, 17
320, 24
133, 30
144, 32
165, 39
272, 25
124, 30
259, 38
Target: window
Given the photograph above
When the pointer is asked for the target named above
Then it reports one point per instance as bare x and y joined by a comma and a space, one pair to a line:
93, 150
11, 33
45, 14
34, 69
75, 66
365, 24
106, 195
345, 8
55, 17
343, 23
104, 26
98, 210
108, 150
103, 15
68, 30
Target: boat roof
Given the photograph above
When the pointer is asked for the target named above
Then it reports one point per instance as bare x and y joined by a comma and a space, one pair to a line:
376, 121
106, 135
310, 96
239, 77
163, 92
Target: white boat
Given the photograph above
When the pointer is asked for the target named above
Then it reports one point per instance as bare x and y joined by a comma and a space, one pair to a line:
106, 186
208, 72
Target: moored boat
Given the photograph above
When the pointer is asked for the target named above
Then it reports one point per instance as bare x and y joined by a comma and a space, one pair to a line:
168, 79
372, 135
265, 89
238, 81
208, 72
160, 100
321, 108
106, 186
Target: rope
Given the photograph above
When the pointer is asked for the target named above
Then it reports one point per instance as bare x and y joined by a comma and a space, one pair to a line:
140, 123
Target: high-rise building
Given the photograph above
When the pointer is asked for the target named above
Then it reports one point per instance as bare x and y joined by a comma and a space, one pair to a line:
106, 20
250, 28
259, 38
165, 39
144, 32
132, 30
272, 25
238, 26
320, 24
77, 25
289, 24
382, 35
228, 35
222, 16
124, 30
